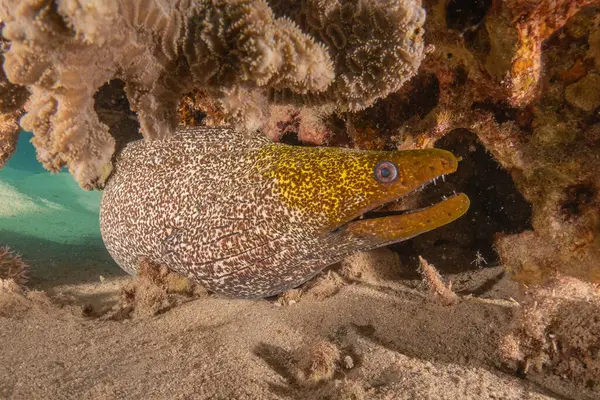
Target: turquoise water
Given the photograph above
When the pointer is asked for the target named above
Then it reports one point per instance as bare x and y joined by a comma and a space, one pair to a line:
47, 217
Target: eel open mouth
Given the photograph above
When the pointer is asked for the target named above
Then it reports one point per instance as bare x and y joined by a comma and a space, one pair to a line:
392, 226
396, 175
381, 212
385, 211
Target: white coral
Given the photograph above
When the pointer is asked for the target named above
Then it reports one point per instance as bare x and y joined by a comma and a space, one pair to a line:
376, 46
339, 54
12, 98
64, 51
9, 131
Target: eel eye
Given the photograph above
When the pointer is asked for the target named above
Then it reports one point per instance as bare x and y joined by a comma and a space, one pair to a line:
386, 172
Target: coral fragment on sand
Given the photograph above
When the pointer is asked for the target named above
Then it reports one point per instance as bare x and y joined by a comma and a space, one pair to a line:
12, 267
557, 332
154, 291
442, 293
316, 362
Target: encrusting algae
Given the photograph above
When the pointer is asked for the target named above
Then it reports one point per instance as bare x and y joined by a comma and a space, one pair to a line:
251, 218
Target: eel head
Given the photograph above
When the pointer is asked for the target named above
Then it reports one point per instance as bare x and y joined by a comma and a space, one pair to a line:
405, 172
341, 190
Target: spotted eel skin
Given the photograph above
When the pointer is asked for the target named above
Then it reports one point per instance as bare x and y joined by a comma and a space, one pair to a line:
251, 218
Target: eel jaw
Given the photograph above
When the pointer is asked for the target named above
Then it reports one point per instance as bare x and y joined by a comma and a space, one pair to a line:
398, 226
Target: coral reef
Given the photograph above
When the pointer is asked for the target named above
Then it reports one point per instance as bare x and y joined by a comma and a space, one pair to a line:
517, 30
298, 125
535, 112
197, 108
238, 52
12, 267
584, 93
375, 47
511, 86
557, 333
65, 52
9, 131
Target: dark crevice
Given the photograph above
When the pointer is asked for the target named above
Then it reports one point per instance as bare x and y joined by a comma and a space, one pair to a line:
467, 18
290, 138
503, 112
496, 206
418, 98
112, 106
466, 15
578, 199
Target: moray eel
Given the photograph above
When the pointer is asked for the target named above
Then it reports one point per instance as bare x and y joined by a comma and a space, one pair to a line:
251, 218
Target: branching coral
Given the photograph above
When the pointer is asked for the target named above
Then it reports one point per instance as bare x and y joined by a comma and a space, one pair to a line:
441, 292
236, 51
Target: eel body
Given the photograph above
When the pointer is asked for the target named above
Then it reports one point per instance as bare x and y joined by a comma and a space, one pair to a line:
251, 218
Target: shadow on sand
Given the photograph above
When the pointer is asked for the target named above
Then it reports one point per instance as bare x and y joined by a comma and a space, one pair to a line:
54, 263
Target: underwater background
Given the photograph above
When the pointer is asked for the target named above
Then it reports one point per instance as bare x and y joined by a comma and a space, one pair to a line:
47, 217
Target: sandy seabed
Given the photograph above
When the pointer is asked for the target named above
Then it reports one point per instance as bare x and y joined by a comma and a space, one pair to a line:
375, 339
